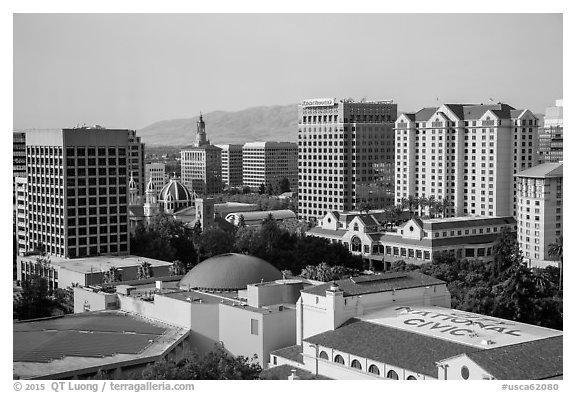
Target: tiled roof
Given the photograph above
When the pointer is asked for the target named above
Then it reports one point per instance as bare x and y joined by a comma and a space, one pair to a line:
291, 353
328, 232
377, 283
284, 371
539, 359
367, 219
551, 169
412, 351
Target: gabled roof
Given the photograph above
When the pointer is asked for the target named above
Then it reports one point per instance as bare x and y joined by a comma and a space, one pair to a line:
425, 114
293, 353
367, 219
409, 116
412, 351
541, 359
475, 112
386, 282
551, 169
329, 232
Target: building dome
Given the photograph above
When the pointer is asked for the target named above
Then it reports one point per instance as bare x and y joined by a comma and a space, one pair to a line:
175, 191
229, 272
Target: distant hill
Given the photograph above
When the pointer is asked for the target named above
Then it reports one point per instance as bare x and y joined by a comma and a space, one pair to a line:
263, 123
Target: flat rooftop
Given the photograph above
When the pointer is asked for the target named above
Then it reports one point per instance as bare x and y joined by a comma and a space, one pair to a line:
60, 347
103, 262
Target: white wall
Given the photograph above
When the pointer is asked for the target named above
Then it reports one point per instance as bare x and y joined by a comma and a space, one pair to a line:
278, 330
169, 310
235, 333
453, 371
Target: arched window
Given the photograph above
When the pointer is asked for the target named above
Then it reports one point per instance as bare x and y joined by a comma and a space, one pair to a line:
373, 369
356, 244
411, 377
339, 359
323, 355
356, 364
392, 375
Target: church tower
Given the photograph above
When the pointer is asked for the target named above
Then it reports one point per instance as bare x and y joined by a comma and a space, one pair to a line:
133, 197
201, 133
151, 206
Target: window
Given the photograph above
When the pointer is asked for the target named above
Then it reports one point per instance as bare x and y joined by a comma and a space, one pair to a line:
465, 372
356, 364
339, 359
254, 327
373, 369
323, 355
411, 378
392, 375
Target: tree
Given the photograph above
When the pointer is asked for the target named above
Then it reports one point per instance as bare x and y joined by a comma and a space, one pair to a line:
269, 189
178, 268
216, 365
507, 255
430, 204
112, 275
284, 185
364, 207
324, 272
215, 241
246, 190
144, 270
241, 221
412, 202
445, 205
262, 189
422, 203
555, 252
34, 301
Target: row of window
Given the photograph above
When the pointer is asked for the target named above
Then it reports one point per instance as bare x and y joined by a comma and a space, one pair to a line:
373, 369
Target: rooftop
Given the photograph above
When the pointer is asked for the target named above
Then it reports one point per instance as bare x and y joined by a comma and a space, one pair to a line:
376, 283
60, 347
102, 262
293, 353
551, 169
285, 370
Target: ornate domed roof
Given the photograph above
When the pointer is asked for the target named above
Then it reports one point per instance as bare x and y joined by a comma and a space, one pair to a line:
175, 191
228, 272
132, 183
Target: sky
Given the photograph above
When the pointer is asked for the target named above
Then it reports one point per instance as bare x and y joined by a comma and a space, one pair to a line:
130, 70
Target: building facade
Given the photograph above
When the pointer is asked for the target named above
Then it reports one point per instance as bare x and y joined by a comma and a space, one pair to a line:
268, 163
76, 192
415, 241
157, 172
18, 157
467, 154
231, 165
136, 154
345, 155
550, 135
540, 212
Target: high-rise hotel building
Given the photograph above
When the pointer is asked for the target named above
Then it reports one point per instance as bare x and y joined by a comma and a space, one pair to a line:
231, 164
268, 163
136, 164
74, 198
201, 164
550, 135
345, 155
539, 211
465, 153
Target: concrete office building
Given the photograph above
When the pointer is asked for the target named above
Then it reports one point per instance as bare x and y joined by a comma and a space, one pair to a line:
18, 157
136, 154
75, 202
268, 163
465, 153
231, 165
540, 215
201, 164
550, 135
345, 155
157, 172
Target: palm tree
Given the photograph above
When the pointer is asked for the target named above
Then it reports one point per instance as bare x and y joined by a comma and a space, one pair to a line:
555, 251
431, 202
422, 203
404, 203
178, 268
112, 275
144, 270
445, 205
412, 202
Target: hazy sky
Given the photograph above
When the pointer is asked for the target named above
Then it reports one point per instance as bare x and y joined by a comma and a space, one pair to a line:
123, 70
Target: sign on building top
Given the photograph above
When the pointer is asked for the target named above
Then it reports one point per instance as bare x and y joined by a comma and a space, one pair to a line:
318, 102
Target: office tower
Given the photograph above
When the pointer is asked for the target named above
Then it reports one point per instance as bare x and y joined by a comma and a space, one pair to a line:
201, 164
345, 155
550, 135
18, 157
467, 154
155, 171
539, 211
268, 163
136, 163
231, 165
76, 192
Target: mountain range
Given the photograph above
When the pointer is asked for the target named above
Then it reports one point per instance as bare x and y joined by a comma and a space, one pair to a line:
262, 123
